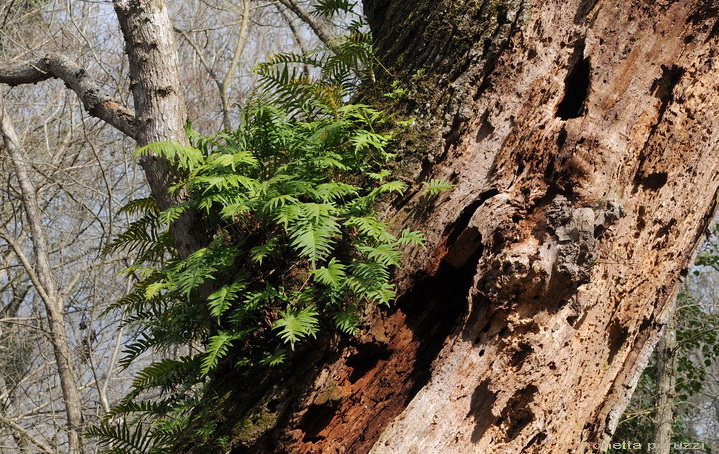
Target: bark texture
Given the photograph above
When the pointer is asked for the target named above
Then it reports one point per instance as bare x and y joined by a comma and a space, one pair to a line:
579, 135
666, 388
160, 109
159, 105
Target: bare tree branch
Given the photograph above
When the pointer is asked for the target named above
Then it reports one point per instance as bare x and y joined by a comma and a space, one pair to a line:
10, 423
321, 30
58, 66
239, 48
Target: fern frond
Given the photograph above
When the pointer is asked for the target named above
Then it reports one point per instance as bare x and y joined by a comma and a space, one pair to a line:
334, 191
166, 374
188, 158
294, 325
122, 438
348, 320
145, 205
329, 8
135, 349
139, 235
142, 407
221, 300
411, 237
332, 275
218, 347
274, 358
385, 254
436, 186
313, 233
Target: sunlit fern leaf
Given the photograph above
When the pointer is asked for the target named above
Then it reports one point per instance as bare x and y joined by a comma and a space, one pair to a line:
221, 300
139, 235
383, 294
233, 159
136, 348
348, 320
217, 348
334, 191
332, 275
313, 235
436, 186
139, 407
412, 238
166, 373
274, 358
145, 205
295, 325
187, 157
121, 437
370, 227
173, 213
385, 254
329, 8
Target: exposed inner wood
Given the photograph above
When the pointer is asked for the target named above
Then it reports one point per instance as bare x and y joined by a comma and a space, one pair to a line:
579, 136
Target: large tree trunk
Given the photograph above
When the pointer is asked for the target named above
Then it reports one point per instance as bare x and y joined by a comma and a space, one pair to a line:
579, 135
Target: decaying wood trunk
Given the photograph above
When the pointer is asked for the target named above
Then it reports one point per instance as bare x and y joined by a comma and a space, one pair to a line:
580, 137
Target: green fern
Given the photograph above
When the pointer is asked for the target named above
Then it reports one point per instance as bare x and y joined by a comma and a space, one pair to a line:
295, 325
296, 246
218, 347
329, 8
436, 186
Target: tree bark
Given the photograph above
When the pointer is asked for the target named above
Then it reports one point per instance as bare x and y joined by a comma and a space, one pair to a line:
76, 78
319, 27
160, 109
666, 388
579, 136
160, 112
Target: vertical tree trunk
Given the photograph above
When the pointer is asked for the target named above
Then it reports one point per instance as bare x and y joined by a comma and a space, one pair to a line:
666, 388
44, 283
160, 112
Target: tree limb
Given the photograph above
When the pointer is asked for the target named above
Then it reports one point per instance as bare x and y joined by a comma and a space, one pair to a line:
18, 428
318, 27
58, 66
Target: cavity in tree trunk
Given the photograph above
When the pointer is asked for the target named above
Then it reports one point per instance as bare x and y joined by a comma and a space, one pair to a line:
579, 136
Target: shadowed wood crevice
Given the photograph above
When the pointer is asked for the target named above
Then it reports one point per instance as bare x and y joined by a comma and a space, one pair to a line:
526, 318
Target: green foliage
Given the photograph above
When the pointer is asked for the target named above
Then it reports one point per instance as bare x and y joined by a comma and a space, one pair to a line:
320, 82
295, 247
696, 327
330, 8
296, 324
697, 349
436, 186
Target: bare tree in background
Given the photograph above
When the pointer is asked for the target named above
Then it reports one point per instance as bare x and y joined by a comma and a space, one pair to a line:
82, 174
